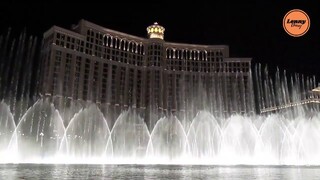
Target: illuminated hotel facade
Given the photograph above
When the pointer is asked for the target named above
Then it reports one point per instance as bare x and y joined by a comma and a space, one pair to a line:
118, 70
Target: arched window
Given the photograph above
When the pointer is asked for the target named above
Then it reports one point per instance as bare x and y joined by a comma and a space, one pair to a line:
122, 45
176, 52
142, 49
196, 53
105, 40
167, 53
114, 42
192, 55
109, 41
171, 53
118, 43
205, 55
130, 47
134, 49
138, 48
126, 46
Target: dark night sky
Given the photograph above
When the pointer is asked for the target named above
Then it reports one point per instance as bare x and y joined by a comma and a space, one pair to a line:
250, 29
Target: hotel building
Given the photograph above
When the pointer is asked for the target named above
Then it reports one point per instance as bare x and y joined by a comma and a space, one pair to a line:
117, 70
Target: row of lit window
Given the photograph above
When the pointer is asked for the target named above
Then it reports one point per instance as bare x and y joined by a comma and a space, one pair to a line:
192, 54
115, 42
87, 65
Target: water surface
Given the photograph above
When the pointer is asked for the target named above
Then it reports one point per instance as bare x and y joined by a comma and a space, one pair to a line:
41, 171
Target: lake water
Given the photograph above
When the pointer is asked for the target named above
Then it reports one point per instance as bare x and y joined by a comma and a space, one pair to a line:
41, 171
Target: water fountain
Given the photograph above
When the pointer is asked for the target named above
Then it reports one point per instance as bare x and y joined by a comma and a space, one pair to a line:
41, 137
36, 130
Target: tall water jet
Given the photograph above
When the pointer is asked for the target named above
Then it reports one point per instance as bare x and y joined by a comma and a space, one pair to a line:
68, 108
86, 136
275, 143
168, 141
307, 141
239, 137
204, 137
17, 71
39, 133
129, 136
7, 127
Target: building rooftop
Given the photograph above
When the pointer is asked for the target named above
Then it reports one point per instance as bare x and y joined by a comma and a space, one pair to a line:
316, 90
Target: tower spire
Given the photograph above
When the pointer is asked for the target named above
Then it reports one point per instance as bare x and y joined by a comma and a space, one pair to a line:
156, 31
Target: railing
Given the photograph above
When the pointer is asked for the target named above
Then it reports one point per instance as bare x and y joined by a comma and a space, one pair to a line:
292, 104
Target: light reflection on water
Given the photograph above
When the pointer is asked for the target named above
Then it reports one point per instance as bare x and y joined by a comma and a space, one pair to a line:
41, 171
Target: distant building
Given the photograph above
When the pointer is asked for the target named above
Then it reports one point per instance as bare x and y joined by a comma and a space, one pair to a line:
118, 70
310, 101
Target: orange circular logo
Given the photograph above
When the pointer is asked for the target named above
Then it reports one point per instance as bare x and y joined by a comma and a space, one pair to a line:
296, 23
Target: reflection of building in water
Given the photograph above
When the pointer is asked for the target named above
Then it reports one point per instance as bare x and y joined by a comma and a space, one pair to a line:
93, 63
